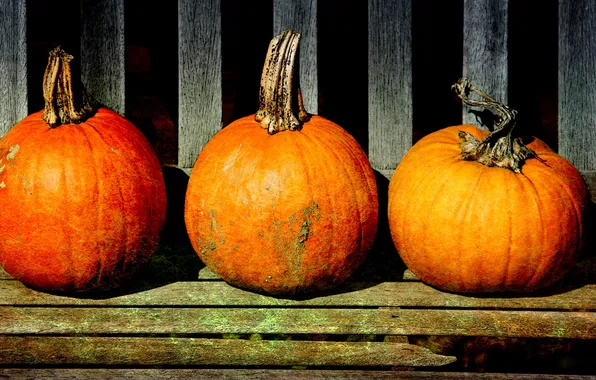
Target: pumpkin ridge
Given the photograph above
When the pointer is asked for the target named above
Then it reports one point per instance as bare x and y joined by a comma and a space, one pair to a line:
101, 255
123, 231
144, 193
64, 182
331, 199
428, 207
371, 184
350, 146
31, 172
415, 190
508, 254
542, 240
214, 174
310, 195
576, 208
466, 215
358, 207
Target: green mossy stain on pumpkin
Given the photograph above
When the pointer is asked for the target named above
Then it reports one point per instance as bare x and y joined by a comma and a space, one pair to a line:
12, 152
206, 247
303, 235
290, 242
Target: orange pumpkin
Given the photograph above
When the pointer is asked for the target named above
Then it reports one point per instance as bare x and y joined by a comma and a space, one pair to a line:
471, 211
82, 193
277, 203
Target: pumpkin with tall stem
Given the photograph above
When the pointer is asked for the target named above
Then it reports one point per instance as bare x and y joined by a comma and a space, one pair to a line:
81, 192
282, 202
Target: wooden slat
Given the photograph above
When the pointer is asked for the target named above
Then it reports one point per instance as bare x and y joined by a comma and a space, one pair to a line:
13, 63
577, 82
301, 15
218, 293
495, 323
199, 76
485, 49
390, 114
103, 52
266, 374
197, 351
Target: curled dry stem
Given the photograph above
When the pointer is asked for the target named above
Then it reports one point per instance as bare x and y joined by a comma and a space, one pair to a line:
62, 106
499, 148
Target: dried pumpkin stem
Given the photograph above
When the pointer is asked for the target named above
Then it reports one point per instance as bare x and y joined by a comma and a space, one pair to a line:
63, 105
499, 148
277, 108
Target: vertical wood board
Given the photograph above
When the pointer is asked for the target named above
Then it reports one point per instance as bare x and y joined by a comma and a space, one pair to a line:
199, 76
390, 114
485, 49
103, 52
13, 63
577, 82
301, 16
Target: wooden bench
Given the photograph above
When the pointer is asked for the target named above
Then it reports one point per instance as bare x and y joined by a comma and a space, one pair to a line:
178, 319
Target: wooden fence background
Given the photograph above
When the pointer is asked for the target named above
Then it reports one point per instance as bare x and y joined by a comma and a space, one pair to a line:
399, 90
380, 68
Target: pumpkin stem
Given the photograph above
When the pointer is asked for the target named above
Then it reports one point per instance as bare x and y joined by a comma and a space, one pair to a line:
276, 96
499, 148
60, 105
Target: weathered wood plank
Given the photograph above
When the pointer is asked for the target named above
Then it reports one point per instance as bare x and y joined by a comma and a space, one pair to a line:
396, 294
198, 351
199, 77
103, 52
301, 16
266, 374
13, 63
390, 115
485, 49
494, 323
577, 82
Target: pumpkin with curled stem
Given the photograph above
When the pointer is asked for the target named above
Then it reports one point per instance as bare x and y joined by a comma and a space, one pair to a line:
81, 191
473, 211
281, 202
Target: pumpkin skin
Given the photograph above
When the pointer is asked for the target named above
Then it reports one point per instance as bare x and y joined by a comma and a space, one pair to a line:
465, 227
82, 204
288, 213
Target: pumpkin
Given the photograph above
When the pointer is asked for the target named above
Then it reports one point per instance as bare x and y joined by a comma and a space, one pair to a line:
473, 211
81, 191
282, 202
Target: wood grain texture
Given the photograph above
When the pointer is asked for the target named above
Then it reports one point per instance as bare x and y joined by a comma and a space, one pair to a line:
485, 49
199, 351
388, 294
390, 114
259, 374
385, 321
199, 77
266, 374
103, 52
577, 82
301, 16
13, 63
